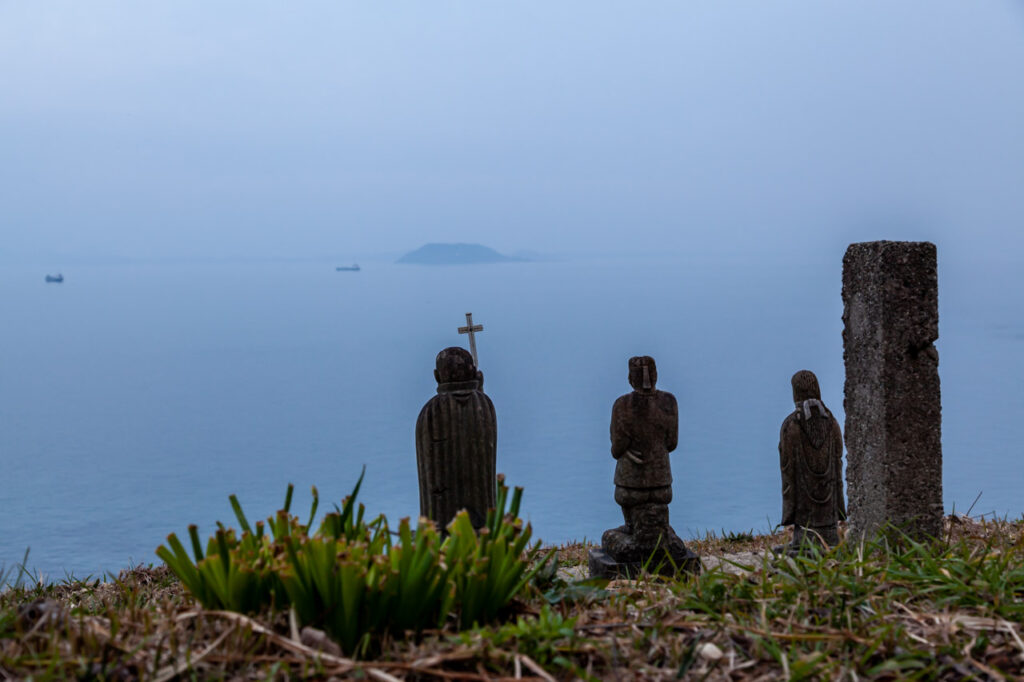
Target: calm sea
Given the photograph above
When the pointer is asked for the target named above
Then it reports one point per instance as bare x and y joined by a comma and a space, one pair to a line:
135, 399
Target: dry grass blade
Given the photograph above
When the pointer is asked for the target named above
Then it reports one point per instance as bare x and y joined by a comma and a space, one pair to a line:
1008, 627
175, 669
293, 625
346, 664
537, 670
425, 664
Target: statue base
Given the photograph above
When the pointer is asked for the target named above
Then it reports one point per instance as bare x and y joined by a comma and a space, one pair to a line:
627, 549
602, 565
807, 540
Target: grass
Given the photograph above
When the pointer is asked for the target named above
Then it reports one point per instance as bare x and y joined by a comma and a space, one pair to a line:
896, 610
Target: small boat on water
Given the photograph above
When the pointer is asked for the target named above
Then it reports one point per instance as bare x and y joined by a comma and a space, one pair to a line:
348, 268
58, 278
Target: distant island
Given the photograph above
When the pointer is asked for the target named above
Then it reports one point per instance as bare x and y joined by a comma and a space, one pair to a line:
455, 254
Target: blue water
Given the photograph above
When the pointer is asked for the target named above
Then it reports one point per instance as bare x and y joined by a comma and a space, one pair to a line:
135, 399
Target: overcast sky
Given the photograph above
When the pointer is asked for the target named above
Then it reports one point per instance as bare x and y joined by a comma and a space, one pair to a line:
307, 129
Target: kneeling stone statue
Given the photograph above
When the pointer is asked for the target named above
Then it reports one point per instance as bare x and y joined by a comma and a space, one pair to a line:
644, 429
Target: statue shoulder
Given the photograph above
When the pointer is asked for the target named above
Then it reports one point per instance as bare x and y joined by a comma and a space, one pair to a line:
622, 402
789, 425
667, 400
423, 421
426, 409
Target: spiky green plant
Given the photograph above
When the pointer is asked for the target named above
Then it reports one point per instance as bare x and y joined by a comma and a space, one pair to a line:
487, 568
352, 579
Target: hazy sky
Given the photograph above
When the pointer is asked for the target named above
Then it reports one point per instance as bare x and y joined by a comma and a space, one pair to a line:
308, 129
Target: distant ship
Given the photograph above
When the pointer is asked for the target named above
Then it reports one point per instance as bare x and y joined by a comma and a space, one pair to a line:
348, 268
58, 278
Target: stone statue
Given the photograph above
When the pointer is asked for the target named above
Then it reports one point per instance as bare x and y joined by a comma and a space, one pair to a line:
811, 458
456, 443
644, 429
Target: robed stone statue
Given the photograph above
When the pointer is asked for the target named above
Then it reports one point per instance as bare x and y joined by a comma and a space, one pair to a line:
811, 459
644, 430
456, 443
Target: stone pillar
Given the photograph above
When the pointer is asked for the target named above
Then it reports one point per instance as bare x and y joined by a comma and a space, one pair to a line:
893, 407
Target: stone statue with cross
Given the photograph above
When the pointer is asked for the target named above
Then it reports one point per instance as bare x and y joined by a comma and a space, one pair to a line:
456, 439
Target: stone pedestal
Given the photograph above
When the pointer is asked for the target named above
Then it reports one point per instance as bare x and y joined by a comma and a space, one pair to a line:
892, 400
602, 565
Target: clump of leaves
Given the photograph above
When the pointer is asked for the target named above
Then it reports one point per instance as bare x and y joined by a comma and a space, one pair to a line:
238, 573
353, 578
546, 638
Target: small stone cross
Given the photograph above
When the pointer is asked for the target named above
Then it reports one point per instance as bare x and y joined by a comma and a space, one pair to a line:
471, 329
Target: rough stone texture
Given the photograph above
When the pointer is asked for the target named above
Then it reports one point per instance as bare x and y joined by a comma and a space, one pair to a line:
644, 430
811, 460
736, 563
456, 443
892, 400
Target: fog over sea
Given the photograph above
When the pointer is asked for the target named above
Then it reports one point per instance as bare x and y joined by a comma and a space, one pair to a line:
135, 398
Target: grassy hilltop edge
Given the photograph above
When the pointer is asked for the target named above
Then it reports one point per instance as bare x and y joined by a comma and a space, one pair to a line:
877, 610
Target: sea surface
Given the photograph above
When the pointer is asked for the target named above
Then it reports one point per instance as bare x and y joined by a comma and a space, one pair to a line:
135, 398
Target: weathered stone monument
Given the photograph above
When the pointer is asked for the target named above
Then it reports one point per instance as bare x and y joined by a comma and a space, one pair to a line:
644, 429
811, 460
893, 407
456, 443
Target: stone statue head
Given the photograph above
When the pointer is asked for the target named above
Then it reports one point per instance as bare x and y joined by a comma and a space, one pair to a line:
455, 364
643, 374
805, 386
